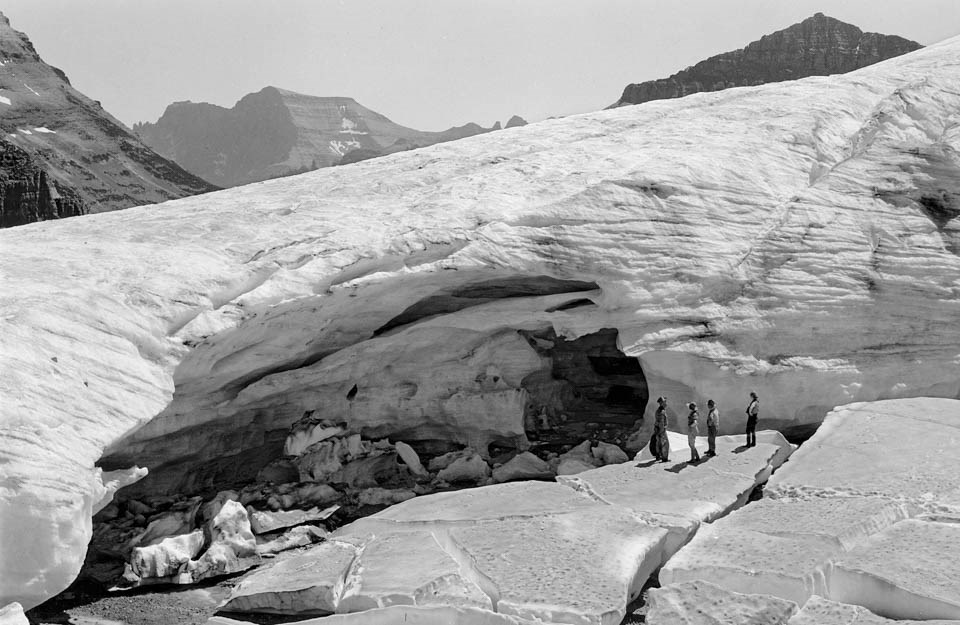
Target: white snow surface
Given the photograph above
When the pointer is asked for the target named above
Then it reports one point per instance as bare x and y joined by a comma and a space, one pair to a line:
866, 513
5, 100
769, 237
44, 130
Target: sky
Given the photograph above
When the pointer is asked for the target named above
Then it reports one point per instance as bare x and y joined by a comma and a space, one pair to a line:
427, 64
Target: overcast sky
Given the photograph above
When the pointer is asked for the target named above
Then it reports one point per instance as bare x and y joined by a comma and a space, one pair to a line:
428, 64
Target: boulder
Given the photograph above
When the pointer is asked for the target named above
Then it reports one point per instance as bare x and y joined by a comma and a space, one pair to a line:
315, 494
442, 462
383, 496
523, 466
299, 536
466, 469
173, 523
608, 453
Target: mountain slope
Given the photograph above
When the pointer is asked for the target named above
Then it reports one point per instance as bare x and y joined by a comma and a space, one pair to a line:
276, 132
82, 150
817, 46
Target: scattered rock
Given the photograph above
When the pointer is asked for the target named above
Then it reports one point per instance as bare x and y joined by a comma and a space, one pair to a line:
471, 469
299, 536
607, 453
410, 458
524, 466
384, 496
312, 494
262, 522
280, 471
442, 462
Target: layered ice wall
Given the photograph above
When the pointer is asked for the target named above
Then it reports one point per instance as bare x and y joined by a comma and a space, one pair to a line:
799, 239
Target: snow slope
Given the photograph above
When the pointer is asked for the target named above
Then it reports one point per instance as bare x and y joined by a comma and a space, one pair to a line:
798, 239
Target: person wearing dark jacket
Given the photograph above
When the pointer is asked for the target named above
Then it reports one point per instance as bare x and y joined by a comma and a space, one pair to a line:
713, 425
659, 442
753, 409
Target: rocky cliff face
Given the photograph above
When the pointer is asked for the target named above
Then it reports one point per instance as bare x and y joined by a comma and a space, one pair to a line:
796, 239
87, 157
817, 46
276, 132
27, 194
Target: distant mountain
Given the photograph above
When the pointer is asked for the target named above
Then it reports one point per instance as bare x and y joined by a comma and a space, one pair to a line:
817, 46
64, 155
276, 132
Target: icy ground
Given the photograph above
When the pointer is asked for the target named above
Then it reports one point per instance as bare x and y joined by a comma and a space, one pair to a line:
866, 513
799, 238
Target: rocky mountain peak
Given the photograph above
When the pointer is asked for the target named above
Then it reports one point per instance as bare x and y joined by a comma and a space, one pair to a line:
70, 146
817, 46
276, 132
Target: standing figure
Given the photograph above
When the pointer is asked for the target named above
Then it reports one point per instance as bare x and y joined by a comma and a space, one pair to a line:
659, 443
753, 408
713, 424
693, 429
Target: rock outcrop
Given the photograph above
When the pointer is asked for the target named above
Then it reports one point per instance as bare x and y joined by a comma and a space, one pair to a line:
26, 192
817, 46
70, 156
795, 239
275, 132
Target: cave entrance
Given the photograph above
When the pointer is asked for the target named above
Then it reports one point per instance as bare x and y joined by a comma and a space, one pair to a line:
592, 390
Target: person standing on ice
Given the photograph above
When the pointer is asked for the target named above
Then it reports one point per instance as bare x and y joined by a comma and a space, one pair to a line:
713, 425
753, 408
659, 443
693, 429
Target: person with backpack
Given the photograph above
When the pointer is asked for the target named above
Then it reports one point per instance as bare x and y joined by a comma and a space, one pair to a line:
753, 409
659, 442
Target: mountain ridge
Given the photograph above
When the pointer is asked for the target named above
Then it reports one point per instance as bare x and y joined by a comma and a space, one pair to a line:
819, 45
84, 153
277, 132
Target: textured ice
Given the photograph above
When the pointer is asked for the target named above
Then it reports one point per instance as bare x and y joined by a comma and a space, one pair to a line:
863, 513
909, 570
820, 611
721, 231
310, 583
701, 603
576, 551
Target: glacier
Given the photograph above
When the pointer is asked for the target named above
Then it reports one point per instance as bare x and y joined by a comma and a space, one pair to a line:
799, 239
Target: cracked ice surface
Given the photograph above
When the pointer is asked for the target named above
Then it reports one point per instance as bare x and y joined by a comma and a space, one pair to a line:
722, 232
864, 513
574, 552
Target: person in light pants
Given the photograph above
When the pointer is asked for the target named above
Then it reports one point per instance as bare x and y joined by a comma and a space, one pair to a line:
713, 425
693, 429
